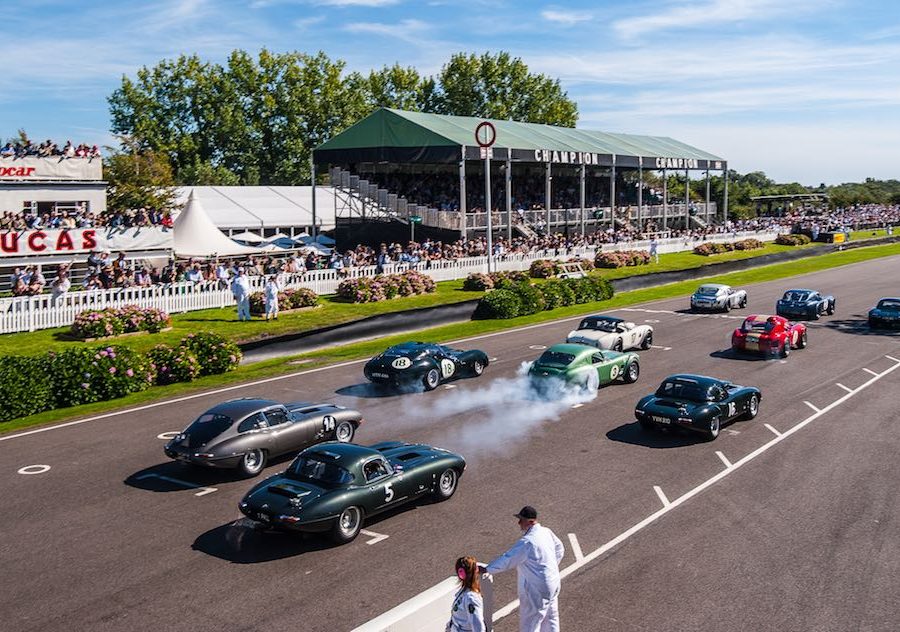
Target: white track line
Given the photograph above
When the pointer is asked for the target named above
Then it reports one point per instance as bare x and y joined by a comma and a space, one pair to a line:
662, 495
576, 548
625, 535
203, 490
892, 358
849, 390
812, 406
774, 431
870, 371
376, 537
723, 458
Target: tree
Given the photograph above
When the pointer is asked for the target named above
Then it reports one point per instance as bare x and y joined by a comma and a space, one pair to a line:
397, 87
501, 87
138, 178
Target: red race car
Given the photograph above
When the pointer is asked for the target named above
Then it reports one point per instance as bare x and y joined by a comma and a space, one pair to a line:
769, 335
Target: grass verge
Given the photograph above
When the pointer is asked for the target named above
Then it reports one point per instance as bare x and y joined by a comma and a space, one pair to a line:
282, 366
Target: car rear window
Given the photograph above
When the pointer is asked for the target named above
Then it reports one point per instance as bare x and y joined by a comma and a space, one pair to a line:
311, 469
796, 296
708, 289
208, 426
556, 358
678, 389
758, 325
889, 304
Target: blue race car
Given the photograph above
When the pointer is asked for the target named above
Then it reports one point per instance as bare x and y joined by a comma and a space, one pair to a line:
796, 304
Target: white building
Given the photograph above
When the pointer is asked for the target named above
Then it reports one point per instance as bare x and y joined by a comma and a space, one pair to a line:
44, 185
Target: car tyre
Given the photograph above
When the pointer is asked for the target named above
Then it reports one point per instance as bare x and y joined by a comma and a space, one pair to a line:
786, 348
632, 372
477, 368
347, 526
744, 302
648, 341
801, 342
344, 432
446, 484
831, 309
873, 324
715, 425
752, 407
253, 463
727, 306
432, 379
591, 383
617, 345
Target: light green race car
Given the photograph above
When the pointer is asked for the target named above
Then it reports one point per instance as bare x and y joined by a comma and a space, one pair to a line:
583, 366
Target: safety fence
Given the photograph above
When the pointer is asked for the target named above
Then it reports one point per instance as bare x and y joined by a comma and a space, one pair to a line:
44, 311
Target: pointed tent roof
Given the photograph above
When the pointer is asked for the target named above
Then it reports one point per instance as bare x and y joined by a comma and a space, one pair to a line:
401, 136
197, 236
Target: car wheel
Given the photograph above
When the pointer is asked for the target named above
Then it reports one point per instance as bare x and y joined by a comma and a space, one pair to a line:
728, 305
714, 427
347, 526
344, 432
617, 346
801, 343
744, 302
648, 341
477, 368
446, 484
253, 462
786, 348
431, 380
632, 373
873, 324
752, 407
591, 383
831, 308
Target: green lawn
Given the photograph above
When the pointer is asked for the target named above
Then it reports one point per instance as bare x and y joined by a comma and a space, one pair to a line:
280, 366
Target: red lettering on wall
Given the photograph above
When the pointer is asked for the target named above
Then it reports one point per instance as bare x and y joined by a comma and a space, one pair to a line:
64, 241
89, 240
9, 242
21, 172
36, 241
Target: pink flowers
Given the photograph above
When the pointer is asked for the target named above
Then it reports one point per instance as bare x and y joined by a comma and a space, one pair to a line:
379, 288
129, 373
112, 321
112, 370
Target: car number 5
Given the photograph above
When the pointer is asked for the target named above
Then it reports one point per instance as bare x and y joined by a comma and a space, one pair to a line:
388, 492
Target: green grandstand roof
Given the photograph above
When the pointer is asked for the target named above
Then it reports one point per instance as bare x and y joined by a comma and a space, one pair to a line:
421, 137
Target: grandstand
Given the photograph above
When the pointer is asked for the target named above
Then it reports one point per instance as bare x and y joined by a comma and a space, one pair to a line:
393, 165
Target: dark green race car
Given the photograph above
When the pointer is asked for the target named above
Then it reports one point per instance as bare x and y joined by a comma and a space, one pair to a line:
333, 487
885, 314
698, 403
583, 366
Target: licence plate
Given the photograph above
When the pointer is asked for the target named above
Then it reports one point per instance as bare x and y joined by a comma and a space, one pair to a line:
182, 457
263, 517
381, 375
661, 420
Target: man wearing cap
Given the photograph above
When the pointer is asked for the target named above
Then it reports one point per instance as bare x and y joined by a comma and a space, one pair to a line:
536, 557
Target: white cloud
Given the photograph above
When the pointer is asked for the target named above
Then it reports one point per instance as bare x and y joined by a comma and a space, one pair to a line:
356, 3
305, 23
566, 17
705, 14
405, 30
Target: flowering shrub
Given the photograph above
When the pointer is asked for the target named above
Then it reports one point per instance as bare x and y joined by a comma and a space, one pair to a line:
711, 248
385, 286
530, 298
543, 269
520, 299
478, 282
622, 258
557, 293
215, 353
178, 364
82, 375
288, 299
792, 240
26, 386
112, 321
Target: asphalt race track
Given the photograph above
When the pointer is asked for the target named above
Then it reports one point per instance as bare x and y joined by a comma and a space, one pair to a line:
787, 522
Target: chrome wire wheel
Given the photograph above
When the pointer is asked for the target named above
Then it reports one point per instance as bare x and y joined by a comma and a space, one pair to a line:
344, 432
446, 485
349, 523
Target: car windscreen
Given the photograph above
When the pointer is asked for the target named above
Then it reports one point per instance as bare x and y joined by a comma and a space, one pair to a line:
708, 289
207, 427
318, 472
758, 325
889, 303
799, 297
677, 389
598, 324
556, 358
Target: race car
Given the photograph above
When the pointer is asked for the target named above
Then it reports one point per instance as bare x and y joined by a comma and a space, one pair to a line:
715, 296
609, 332
245, 433
885, 314
804, 304
423, 363
334, 487
769, 335
697, 403
586, 367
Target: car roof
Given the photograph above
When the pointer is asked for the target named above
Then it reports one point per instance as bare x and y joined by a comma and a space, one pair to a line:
701, 380
718, 286
800, 289
889, 298
347, 455
411, 346
572, 348
764, 318
237, 408
602, 317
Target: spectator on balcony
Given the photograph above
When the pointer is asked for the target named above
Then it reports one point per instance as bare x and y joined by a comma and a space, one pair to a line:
20, 288
336, 263
92, 282
222, 275
37, 282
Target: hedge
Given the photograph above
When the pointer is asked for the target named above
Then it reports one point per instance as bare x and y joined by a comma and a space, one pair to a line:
481, 282
792, 240
713, 248
384, 286
113, 321
81, 375
522, 299
622, 258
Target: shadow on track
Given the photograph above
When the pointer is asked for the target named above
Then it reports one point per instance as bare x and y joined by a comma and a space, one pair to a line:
377, 391
858, 326
731, 354
633, 434
173, 476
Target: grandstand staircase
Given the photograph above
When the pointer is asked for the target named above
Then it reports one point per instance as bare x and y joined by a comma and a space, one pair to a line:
365, 200
623, 223
526, 231
698, 222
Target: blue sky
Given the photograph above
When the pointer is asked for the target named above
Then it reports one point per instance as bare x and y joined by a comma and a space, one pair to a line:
804, 90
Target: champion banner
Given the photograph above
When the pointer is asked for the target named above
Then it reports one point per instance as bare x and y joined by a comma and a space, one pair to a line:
80, 240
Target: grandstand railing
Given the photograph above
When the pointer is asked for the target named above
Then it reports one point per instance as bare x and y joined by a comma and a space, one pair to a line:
29, 313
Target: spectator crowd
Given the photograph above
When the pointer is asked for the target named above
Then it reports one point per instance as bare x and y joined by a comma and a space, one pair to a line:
48, 149
80, 217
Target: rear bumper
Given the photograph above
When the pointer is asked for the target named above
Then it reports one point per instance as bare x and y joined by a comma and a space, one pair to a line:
673, 422
276, 523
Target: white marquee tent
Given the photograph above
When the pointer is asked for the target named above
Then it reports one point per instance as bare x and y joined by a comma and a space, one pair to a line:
197, 236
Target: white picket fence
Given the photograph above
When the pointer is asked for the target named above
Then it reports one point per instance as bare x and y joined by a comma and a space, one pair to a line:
29, 313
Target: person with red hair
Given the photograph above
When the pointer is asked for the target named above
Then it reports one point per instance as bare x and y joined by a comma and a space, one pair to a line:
467, 614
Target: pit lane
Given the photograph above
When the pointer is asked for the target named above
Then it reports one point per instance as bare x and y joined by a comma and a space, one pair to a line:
87, 544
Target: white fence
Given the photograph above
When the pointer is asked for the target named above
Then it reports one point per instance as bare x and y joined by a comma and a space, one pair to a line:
28, 313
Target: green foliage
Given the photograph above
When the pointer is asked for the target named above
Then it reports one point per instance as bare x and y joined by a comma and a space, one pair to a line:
91, 374
26, 386
557, 293
522, 299
792, 240
113, 321
216, 353
478, 282
173, 364
714, 248
530, 298
140, 178
499, 304
543, 269
622, 258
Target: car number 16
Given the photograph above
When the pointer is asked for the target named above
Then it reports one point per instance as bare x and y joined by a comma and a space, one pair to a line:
732, 409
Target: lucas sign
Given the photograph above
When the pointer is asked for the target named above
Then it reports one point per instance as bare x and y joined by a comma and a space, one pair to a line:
81, 240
